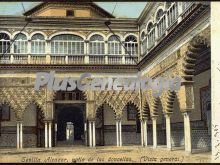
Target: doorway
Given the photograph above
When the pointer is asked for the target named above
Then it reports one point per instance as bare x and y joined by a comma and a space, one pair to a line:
69, 124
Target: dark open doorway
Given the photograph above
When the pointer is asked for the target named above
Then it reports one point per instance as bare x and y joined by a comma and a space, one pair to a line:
70, 124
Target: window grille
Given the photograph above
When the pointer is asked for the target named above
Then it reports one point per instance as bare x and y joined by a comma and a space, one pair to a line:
67, 45
151, 35
114, 46
96, 45
161, 22
131, 45
37, 44
4, 43
20, 44
172, 13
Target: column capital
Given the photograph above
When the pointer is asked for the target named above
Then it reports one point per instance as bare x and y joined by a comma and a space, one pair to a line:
154, 117
118, 119
186, 112
144, 119
167, 115
47, 120
91, 120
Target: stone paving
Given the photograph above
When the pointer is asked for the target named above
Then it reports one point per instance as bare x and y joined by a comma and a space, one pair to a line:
129, 154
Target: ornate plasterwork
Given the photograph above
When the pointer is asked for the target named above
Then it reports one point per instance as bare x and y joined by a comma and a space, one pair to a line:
191, 52
19, 98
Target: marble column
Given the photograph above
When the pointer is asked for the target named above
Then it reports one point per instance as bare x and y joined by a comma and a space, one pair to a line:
142, 134
93, 136
50, 137
187, 132
145, 132
154, 122
117, 134
90, 134
85, 132
46, 135
21, 135
168, 131
120, 134
18, 136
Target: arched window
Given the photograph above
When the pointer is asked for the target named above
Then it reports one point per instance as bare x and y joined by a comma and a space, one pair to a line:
150, 27
131, 45
38, 44
4, 43
114, 46
67, 44
161, 22
96, 45
150, 35
144, 42
159, 14
20, 44
172, 12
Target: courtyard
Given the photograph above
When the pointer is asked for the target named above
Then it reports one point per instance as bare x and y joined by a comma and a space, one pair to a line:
82, 154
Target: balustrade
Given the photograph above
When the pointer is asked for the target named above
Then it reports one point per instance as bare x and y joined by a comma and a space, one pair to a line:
66, 50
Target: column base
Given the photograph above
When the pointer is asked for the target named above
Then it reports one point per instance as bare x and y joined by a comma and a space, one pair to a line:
169, 149
188, 152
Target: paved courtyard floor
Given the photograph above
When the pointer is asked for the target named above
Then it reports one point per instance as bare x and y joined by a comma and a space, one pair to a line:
128, 154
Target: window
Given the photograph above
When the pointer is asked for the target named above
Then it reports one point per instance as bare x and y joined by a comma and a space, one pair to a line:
144, 42
172, 13
114, 46
67, 44
150, 34
161, 22
38, 44
4, 43
70, 13
5, 112
131, 112
131, 45
20, 44
96, 45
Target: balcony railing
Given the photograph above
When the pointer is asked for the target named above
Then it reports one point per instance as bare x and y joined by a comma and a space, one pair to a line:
68, 59
167, 22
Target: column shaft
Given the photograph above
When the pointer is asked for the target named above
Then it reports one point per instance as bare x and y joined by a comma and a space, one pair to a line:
18, 135
21, 135
46, 130
187, 133
168, 132
94, 139
120, 134
117, 131
154, 132
145, 132
142, 134
50, 137
90, 134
